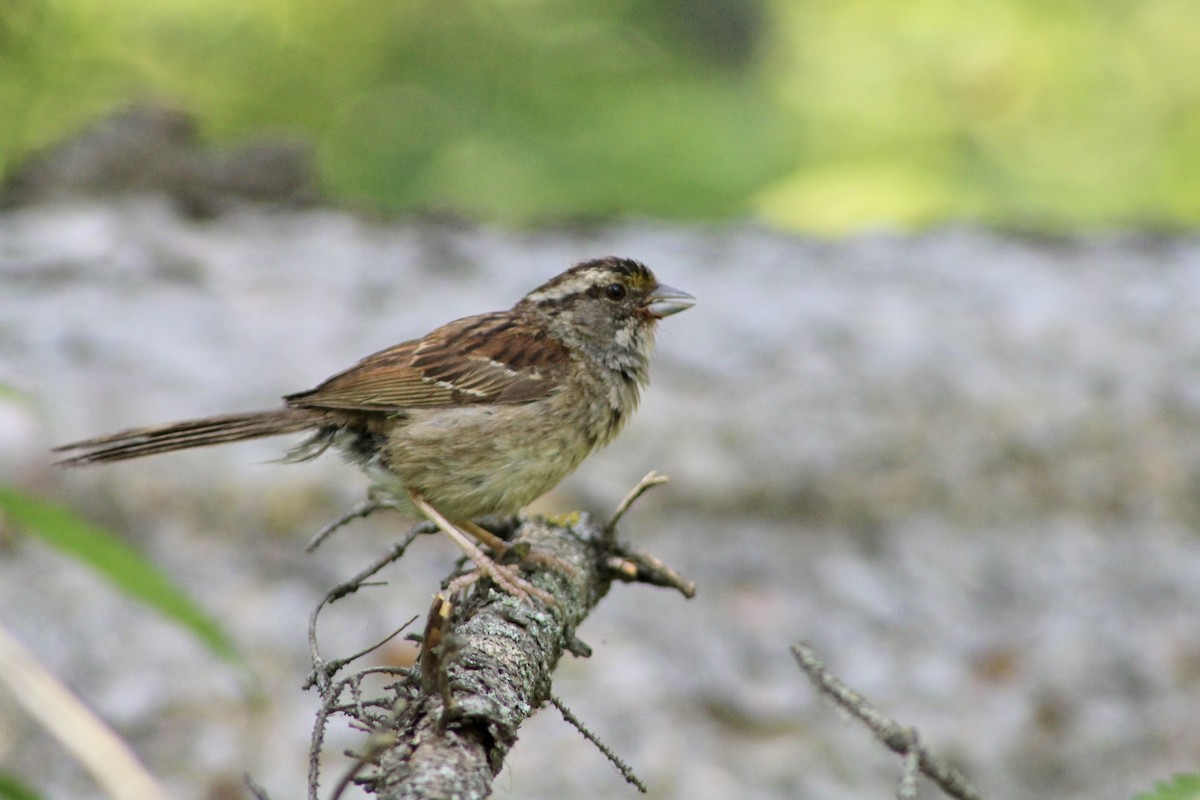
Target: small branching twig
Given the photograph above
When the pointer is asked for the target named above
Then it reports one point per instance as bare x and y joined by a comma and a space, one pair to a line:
899, 738
629, 566
314, 750
912, 766
323, 671
336, 664
364, 509
259, 792
651, 479
625, 770
320, 674
375, 745
362, 718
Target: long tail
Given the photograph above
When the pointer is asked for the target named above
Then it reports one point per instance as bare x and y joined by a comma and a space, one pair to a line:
138, 442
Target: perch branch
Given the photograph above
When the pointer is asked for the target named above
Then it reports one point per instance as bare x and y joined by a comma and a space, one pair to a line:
486, 663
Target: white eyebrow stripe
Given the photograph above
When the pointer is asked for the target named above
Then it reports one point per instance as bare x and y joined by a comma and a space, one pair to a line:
574, 285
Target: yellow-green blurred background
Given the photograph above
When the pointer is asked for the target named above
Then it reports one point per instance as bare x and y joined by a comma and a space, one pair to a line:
815, 115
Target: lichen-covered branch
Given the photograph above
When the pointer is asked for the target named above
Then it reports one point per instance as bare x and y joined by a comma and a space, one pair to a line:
486, 666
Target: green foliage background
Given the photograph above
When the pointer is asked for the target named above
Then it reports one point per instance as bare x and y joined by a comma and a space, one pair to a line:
820, 115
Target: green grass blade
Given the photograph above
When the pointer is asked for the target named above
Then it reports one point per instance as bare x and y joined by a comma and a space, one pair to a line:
13, 789
1181, 787
116, 561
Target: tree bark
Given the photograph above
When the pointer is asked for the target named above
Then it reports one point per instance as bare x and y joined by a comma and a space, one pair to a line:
487, 662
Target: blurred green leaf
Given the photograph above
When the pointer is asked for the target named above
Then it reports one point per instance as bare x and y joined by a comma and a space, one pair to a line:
12, 394
1181, 787
13, 789
116, 562
815, 116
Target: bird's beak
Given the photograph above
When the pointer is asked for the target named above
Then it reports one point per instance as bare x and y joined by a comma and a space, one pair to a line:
666, 300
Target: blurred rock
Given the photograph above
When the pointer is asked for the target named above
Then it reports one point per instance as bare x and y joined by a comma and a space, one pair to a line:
152, 149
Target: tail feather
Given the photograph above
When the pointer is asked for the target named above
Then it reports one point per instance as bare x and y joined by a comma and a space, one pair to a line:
138, 442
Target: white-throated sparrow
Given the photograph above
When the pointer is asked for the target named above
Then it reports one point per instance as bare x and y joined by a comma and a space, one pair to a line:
481, 416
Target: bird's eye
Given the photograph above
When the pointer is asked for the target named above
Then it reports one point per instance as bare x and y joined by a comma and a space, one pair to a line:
615, 291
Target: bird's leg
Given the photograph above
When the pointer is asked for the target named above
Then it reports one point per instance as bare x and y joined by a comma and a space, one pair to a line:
505, 577
485, 537
501, 547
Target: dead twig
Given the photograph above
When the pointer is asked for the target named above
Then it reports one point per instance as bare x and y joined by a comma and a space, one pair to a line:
574, 721
912, 766
259, 792
364, 509
900, 739
394, 553
632, 566
322, 672
376, 744
649, 481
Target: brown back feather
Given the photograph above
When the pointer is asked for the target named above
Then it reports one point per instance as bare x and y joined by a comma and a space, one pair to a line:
490, 358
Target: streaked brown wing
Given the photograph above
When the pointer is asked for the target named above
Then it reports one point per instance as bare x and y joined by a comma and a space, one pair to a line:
491, 358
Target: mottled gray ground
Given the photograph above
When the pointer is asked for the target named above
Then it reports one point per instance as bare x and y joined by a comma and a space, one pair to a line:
966, 466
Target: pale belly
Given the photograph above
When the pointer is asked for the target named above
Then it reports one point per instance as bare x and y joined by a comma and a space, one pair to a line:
466, 465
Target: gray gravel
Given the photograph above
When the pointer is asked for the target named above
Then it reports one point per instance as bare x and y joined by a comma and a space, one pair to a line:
964, 465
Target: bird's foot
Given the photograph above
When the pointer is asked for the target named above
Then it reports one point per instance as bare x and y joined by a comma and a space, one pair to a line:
503, 576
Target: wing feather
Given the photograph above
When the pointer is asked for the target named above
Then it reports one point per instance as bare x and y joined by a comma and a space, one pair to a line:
490, 358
